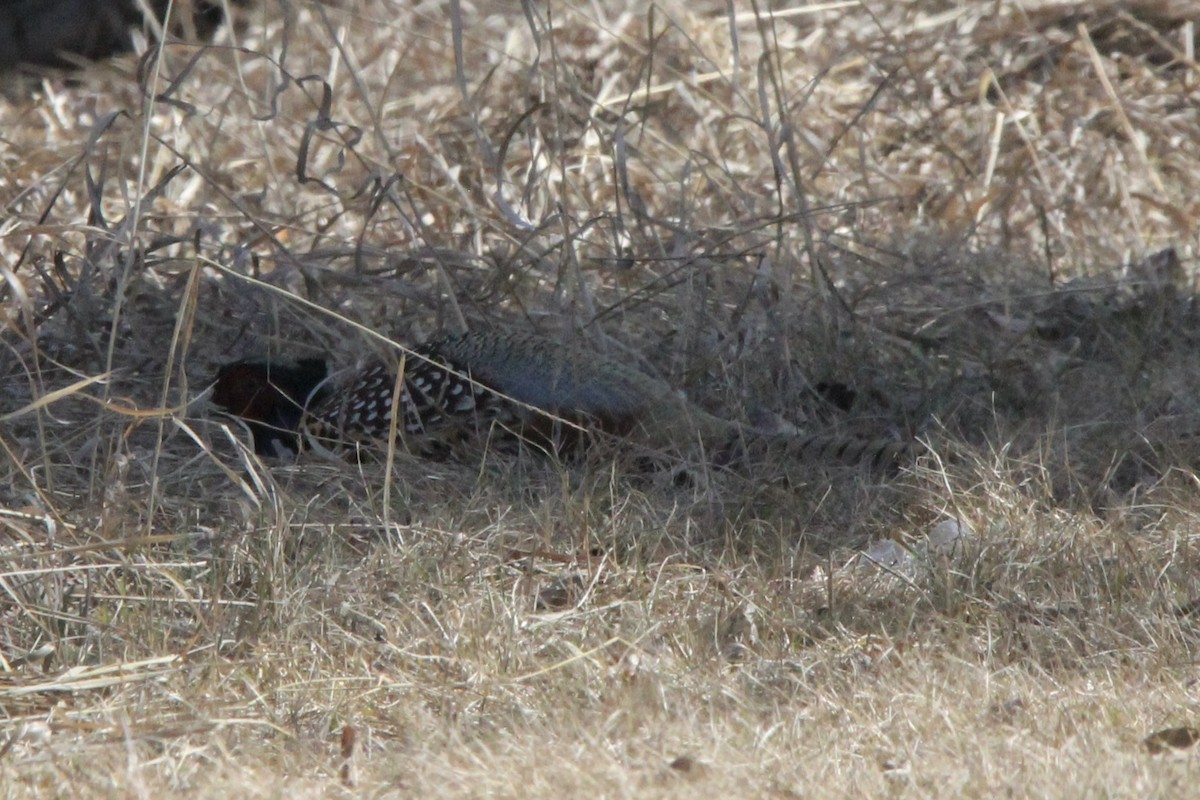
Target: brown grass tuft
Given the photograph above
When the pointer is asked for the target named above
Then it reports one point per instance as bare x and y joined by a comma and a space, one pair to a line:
981, 221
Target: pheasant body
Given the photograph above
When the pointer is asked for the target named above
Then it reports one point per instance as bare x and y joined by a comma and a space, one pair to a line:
554, 395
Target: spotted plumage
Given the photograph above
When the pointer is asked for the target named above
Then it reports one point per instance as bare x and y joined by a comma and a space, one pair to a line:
438, 401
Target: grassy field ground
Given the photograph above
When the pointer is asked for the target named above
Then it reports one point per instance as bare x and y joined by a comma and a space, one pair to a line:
974, 224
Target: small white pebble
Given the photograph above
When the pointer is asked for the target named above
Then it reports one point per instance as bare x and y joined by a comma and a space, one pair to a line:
949, 537
887, 554
34, 733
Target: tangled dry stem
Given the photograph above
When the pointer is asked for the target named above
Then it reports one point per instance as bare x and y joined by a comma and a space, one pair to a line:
981, 221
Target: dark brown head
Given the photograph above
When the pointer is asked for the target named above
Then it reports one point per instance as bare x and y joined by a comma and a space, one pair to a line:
270, 398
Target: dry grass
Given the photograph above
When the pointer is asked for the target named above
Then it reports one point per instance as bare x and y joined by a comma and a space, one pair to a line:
960, 213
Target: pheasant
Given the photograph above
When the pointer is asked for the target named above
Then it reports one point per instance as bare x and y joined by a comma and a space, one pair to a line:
514, 385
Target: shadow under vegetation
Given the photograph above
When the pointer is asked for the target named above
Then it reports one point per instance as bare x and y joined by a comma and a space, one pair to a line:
1083, 388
